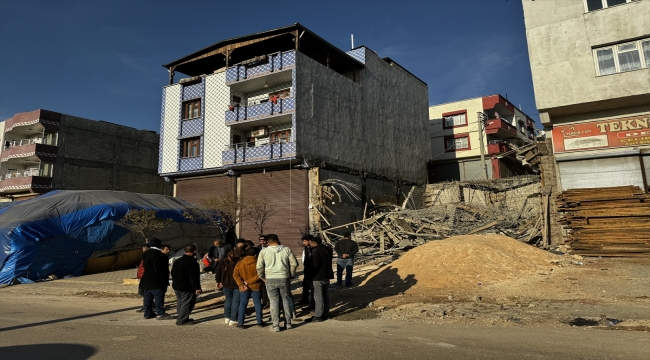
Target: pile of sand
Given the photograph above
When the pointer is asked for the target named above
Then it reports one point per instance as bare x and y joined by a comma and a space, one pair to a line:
463, 262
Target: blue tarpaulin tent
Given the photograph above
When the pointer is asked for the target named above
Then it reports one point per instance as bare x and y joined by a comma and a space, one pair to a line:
56, 233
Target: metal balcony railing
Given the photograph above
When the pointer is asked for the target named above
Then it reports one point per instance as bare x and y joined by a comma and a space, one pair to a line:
272, 63
260, 111
247, 152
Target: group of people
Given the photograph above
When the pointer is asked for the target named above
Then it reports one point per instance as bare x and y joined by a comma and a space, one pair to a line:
262, 272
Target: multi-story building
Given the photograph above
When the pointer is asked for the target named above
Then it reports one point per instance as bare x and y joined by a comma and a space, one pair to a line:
590, 61
256, 112
456, 137
45, 150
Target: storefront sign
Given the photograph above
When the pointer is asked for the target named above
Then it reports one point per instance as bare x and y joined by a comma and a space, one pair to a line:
629, 131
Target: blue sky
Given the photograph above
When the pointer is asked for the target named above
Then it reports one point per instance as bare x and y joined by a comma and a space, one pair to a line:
102, 59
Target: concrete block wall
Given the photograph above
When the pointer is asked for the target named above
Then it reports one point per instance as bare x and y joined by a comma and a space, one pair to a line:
97, 155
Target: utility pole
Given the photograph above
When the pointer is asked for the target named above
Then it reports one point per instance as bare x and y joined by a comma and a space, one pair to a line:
481, 118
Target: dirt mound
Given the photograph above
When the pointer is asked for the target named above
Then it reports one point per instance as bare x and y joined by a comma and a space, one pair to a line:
466, 261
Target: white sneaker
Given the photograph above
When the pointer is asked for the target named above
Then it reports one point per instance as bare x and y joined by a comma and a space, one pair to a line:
228, 321
232, 323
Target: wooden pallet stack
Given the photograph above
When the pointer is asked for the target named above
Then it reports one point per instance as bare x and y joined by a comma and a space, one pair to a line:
612, 221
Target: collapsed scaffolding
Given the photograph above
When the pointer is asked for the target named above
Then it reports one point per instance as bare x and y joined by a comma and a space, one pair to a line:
511, 207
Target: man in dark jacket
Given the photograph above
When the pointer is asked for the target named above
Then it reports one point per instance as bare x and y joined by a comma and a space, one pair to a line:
186, 282
139, 274
308, 270
216, 253
322, 273
155, 281
345, 249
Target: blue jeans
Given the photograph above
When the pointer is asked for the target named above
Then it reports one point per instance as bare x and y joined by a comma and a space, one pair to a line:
280, 289
243, 302
344, 264
231, 306
156, 297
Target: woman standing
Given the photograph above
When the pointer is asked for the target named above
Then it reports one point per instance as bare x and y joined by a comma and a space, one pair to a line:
223, 275
249, 283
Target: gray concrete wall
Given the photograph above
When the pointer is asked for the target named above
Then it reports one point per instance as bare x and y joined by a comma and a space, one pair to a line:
97, 155
561, 37
379, 126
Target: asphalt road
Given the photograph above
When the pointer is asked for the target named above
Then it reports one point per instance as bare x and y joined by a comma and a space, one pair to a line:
74, 328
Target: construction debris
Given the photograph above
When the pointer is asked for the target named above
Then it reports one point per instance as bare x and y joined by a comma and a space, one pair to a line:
611, 221
455, 208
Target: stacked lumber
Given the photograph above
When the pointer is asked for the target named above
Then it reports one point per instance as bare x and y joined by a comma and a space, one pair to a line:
613, 221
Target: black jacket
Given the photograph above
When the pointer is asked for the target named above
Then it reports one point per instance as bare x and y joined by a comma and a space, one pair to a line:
186, 274
223, 273
346, 246
214, 254
308, 264
156, 270
322, 261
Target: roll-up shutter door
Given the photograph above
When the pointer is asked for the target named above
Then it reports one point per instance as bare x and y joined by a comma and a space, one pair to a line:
194, 190
605, 172
288, 191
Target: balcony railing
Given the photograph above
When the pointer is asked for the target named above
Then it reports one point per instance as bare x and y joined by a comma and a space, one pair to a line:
500, 127
264, 110
497, 148
273, 63
42, 151
245, 152
21, 183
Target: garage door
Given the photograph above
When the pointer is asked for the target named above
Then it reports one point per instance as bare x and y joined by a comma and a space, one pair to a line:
595, 173
287, 190
193, 190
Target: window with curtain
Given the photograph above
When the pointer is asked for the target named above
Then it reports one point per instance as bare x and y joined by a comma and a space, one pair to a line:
455, 120
459, 143
646, 52
190, 147
624, 57
628, 57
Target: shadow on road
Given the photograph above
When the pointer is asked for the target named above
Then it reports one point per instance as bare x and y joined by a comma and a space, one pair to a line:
48, 351
384, 284
67, 319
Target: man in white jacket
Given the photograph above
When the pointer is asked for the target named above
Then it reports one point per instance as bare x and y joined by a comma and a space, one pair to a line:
276, 266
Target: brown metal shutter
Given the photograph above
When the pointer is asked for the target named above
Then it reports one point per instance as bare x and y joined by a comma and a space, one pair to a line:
288, 192
196, 189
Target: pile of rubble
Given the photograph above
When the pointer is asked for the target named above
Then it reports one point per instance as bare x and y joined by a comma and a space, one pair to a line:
510, 208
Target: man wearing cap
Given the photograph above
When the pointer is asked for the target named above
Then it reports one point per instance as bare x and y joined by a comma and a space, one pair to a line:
155, 281
345, 249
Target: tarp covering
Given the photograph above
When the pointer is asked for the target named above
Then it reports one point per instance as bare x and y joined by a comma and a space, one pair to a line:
58, 232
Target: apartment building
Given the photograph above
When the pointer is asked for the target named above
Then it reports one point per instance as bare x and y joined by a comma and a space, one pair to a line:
456, 139
273, 114
45, 150
590, 61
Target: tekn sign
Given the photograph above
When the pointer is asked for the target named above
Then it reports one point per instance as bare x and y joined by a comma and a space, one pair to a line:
629, 131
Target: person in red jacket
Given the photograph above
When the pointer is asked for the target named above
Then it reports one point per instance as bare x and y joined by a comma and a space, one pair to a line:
145, 247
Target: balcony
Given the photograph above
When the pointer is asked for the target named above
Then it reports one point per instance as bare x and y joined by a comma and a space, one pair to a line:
29, 148
243, 153
500, 128
260, 66
265, 110
497, 148
21, 181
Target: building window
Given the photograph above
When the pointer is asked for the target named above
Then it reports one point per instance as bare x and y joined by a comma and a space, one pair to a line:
592, 5
457, 143
281, 136
623, 57
454, 119
190, 147
191, 109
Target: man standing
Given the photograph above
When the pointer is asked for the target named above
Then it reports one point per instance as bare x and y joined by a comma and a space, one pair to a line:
265, 295
216, 253
155, 281
276, 266
308, 270
186, 283
345, 249
322, 261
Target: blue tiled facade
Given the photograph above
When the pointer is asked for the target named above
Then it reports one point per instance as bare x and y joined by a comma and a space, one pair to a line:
276, 62
358, 54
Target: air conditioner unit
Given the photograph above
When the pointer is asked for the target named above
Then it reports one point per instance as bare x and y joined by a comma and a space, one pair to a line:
259, 132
